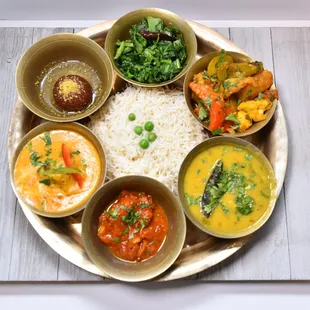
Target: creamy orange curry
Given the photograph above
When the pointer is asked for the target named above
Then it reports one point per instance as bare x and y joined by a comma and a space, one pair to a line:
57, 171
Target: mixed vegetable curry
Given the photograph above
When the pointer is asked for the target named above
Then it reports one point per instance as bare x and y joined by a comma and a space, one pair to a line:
230, 96
134, 227
57, 171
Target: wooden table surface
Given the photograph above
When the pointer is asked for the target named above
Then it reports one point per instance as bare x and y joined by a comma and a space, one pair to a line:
279, 251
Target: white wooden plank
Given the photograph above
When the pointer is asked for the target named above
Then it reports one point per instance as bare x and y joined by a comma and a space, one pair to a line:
32, 258
223, 31
13, 42
291, 48
266, 256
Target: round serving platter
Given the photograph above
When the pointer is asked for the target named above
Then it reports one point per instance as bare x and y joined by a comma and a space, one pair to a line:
200, 251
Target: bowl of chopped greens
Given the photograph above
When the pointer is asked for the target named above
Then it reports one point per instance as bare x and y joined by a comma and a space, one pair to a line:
151, 47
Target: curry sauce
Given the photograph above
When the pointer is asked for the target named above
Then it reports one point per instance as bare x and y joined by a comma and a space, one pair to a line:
57, 171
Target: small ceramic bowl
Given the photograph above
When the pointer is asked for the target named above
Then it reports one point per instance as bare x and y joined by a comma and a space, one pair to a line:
99, 252
49, 126
202, 64
120, 31
235, 142
53, 57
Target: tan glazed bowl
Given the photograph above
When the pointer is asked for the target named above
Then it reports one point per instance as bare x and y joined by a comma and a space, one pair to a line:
202, 64
204, 146
120, 31
59, 50
49, 126
120, 269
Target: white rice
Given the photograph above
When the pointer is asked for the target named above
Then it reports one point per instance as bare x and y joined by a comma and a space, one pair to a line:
176, 129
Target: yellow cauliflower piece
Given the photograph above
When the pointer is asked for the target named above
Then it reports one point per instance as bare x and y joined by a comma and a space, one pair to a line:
255, 109
245, 121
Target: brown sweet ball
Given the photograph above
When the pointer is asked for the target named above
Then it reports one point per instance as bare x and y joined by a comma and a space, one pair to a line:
72, 93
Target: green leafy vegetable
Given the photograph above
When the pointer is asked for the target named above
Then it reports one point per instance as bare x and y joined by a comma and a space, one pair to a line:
217, 131
47, 139
191, 200
61, 170
203, 114
151, 60
233, 118
113, 213
248, 156
35, 159
130, 218
48, 152
46, 182
244, 204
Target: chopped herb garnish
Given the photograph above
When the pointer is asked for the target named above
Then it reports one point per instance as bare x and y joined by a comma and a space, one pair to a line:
248, 156
239, 101
191, 200
145, 205
227, 84
238, 149
208, 101
142, 223
203, 114
264, 195
224, 208
203, 160
204, 180
234, 127
197, 171
30, 147
205, 75
233, 118
46, 182
243, 165
148, 252
125, 232
61, 170
48, 152
130, 218
34, 159
47, 139
249, 93
244, 204
113, 213
217, 131
117, 239
77, 152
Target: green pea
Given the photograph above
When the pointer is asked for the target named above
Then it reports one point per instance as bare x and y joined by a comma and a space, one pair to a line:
144, 144
149, 126
151, 136
132, 117
138, 130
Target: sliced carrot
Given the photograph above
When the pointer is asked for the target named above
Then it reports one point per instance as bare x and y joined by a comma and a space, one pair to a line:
66, 155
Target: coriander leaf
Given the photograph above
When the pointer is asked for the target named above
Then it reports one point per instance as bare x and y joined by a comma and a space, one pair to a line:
234, 127
202, 112
264, 195
205, 75
145, 205
65, 170
48, 152
244, 204
113, 213
217, 131
30, 147
47, 139
117, 239
46, 182
233, 118
142, 223
125, 232
130, 218
191, 200
34, 159
248, 156
224, 208
197, 171
77, 152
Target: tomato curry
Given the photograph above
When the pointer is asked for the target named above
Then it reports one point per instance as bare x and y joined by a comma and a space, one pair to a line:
134, 227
